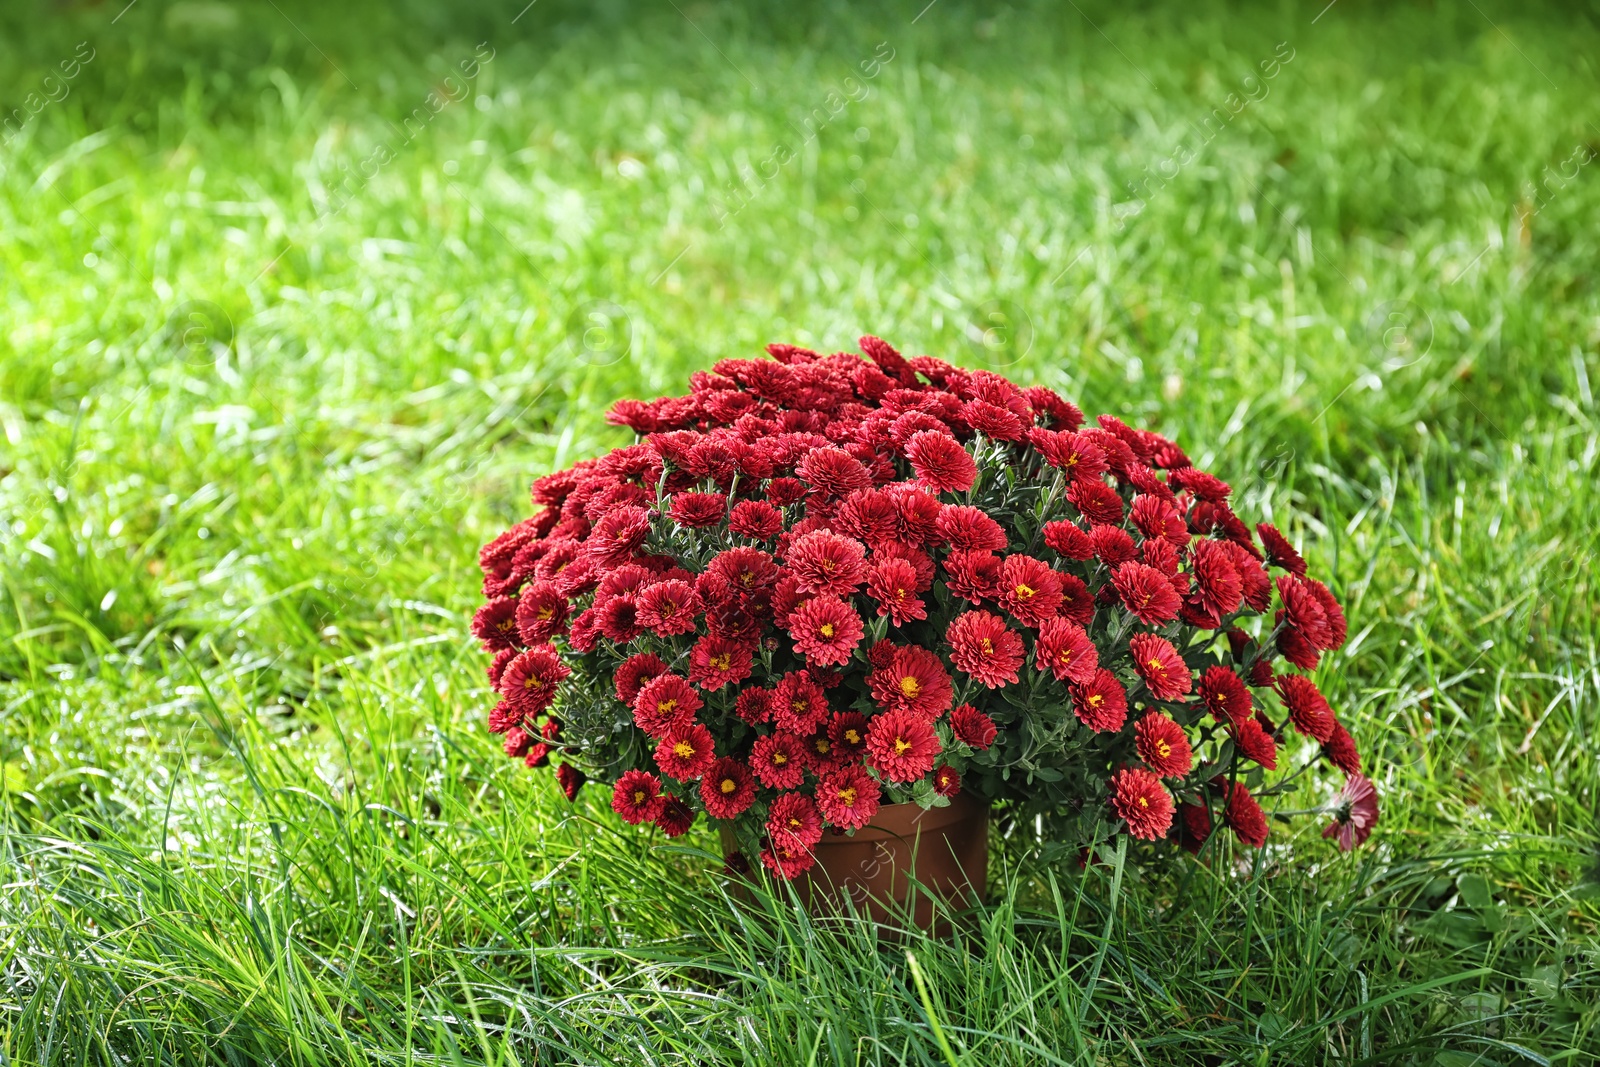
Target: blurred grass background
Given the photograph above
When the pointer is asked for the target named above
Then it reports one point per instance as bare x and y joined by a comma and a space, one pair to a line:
283, 338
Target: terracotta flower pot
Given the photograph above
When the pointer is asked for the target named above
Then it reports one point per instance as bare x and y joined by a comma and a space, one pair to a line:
946, 850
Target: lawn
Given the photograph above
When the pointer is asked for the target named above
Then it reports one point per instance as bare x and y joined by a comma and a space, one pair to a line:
295, 300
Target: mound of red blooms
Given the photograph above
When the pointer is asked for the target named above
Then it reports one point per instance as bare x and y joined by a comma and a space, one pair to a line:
819, 584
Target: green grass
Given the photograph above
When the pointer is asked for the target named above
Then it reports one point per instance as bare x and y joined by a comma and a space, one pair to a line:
252, 432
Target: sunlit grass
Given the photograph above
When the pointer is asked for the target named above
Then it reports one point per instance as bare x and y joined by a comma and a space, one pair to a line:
254, 430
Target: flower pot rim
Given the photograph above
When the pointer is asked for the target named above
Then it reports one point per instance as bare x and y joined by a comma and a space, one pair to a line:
909, 819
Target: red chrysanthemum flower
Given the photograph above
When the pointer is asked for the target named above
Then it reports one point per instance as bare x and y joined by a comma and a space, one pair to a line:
1338, 627
822, 562
793, 821
1068, 539
1112, 544
618, 618
1029, 590
1225, 695
1280, 553
755, 519
1303, 611
1193, 826
530, 680
1139, 799
1355, 813
1254, 584
893, 584
1245, 817
685, 752
541, 613
1204, 486
664, 703
785, 861
1308, 709
1097, 501
848, 797
1254, 743
1340, 748
825, 630
635, 671
779, 760
870, 516
727, 789
913, 680
637, 797
1158, 663
833, 472
570, 779
1156, 518
982, 646
947, 781
718, 661
820, 752
940, 462
1064, 649
972, 727
616, 536
917, 512
754, 705
1101, 703
1147, 593
1218, 587
902, 746
497, 666
782, 492
798, 703
495, 624
1071, 452
1162, 745
668, 608
970, 529
696, 510
847, 730
972, 576
743, 570
1077, 603
676, 817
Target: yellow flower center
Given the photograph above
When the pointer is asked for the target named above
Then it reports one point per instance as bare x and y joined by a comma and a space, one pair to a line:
901, 746
667, 706
910, 687
721, 662
826, 629
822, 746
1024, 592
853, 736
1144, 802
848, 794
531, 681
505, 625
1163, 750
727, 785
794, 823
779, 759
547, 612
1095, 700
683, 750
1155, 665
638, 796
988, 646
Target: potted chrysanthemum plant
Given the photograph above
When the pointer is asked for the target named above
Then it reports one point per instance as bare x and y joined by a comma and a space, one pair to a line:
844, 606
